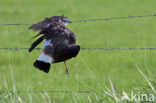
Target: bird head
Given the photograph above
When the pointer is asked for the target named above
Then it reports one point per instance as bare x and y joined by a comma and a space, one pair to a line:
61, 19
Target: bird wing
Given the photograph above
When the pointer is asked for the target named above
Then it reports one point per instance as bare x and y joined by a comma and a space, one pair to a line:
72, 38
41, 25
48, 31
35, 43
44, 31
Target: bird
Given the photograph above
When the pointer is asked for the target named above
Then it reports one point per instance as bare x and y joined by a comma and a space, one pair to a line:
59, 42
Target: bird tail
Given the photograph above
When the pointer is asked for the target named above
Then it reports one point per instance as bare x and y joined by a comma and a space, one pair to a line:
43, 63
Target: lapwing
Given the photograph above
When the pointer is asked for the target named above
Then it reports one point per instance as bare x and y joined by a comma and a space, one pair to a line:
59, 42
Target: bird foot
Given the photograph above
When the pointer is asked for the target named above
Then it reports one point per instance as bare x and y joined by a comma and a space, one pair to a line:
67, 72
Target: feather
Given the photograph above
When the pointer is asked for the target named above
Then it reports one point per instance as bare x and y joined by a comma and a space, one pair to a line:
45, 67
36, 35
34, 44
44, 31
45, 58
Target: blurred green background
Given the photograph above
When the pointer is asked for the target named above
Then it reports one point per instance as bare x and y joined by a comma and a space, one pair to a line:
118, 64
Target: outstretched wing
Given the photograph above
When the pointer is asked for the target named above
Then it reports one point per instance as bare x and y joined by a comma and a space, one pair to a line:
41, 25
48, 33
45, 31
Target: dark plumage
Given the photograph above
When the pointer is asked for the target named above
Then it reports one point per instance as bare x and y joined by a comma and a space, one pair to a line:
59, 45
35, 43
40, 65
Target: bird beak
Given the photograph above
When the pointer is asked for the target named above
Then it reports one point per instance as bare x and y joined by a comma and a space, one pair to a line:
69, 22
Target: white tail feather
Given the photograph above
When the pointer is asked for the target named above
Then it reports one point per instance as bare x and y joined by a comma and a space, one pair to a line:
45, 58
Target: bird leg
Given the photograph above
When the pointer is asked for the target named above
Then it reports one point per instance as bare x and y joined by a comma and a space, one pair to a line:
66, 68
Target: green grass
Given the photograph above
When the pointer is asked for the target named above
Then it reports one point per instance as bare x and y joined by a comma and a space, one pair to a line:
89, 67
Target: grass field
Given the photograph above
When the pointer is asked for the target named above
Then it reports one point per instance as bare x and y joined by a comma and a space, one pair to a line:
90, 70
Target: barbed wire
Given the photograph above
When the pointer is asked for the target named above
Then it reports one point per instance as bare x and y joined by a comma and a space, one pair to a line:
102, 49
86, 20
62, 91
107, 19
15, 24
87, 92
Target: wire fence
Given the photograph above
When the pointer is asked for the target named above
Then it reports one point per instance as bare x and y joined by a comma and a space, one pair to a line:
83, 48
87, 20
94, 49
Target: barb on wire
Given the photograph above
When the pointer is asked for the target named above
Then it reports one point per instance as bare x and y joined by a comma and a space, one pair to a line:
94, 49
86, 20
